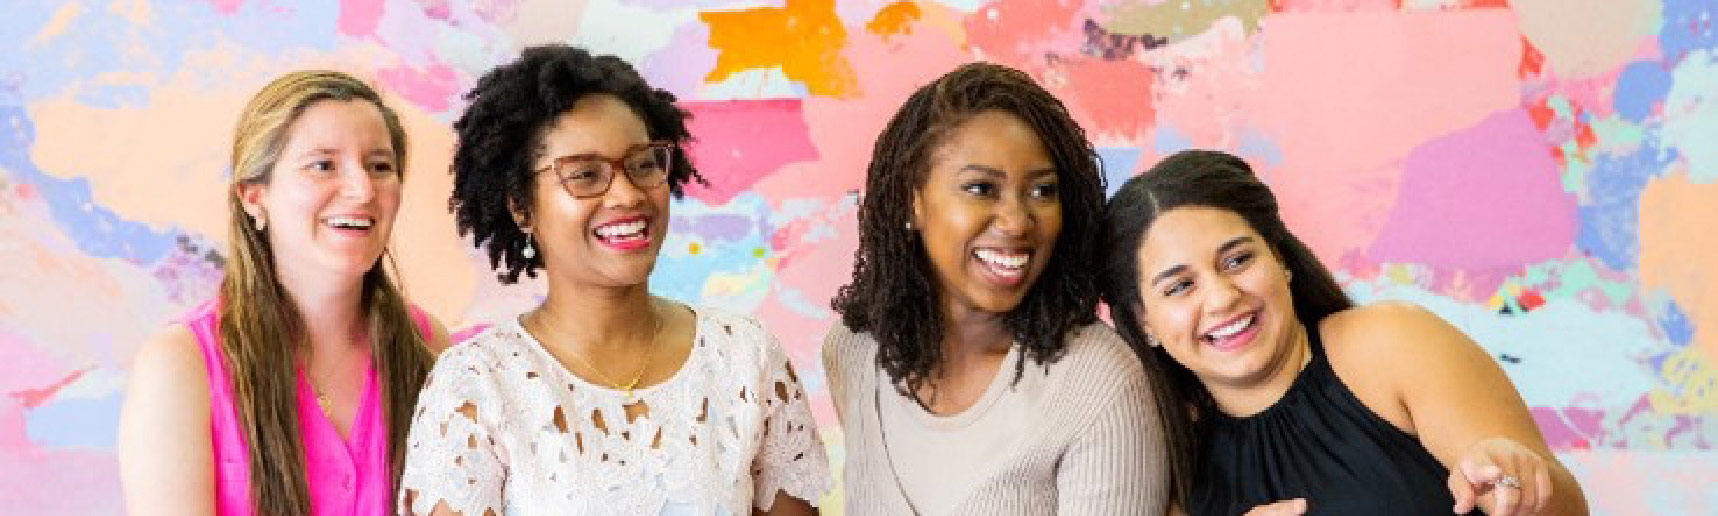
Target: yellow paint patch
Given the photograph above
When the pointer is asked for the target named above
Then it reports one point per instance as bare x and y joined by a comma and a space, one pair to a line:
1695, 384
692, 249
803, 38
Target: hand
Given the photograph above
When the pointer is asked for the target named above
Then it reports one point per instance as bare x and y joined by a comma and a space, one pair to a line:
1501, 477
1291, 507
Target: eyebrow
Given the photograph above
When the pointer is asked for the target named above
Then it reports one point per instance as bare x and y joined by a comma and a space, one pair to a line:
997, 172
1178, 269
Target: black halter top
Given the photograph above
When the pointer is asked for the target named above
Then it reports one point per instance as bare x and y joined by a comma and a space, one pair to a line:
1319, 443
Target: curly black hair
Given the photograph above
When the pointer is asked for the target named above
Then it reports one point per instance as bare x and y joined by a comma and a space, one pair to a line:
893, 294
500, 137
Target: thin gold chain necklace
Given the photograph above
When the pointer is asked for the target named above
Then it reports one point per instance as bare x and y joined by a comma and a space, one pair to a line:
650, 356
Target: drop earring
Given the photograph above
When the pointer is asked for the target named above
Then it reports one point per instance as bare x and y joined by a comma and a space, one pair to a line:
530, 251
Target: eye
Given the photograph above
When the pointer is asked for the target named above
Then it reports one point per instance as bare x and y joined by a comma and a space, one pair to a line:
1045, 191
1177, 287
321, 165
1237, 261
582, 172
981, 189
382, 168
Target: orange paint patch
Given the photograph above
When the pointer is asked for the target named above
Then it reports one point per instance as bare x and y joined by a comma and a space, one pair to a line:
1676, 243
804, 38
895, 18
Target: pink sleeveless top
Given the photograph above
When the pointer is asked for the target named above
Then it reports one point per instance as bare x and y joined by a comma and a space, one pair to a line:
347, 476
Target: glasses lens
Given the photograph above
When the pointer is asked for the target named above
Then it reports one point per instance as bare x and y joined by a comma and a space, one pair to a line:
584, 177
650, 166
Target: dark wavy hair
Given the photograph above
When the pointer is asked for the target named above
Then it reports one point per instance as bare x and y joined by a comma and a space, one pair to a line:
500, 136
1214, 180
893, 294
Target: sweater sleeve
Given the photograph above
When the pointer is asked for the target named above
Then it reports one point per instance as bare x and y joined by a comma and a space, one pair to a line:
1119, 463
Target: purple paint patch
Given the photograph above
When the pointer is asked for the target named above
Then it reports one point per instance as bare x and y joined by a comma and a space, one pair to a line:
1484, 201
739, 142
714, 227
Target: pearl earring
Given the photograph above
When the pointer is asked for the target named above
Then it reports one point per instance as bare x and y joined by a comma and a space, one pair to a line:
530, 251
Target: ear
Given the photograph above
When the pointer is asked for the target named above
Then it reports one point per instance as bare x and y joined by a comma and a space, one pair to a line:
520, 219
250, 197
918, 215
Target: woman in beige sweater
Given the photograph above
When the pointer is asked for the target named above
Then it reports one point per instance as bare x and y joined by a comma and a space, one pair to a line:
969, 370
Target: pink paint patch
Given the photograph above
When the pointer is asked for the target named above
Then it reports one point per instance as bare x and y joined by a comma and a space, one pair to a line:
1345, 117
359, 17
32, 398
739, 141
1486, 200
429, 88
1569, 428
226, 6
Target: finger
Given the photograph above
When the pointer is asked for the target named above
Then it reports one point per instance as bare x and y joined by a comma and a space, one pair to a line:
1462, 491
1542, 498
1504, 499
1297, 506
1293, 507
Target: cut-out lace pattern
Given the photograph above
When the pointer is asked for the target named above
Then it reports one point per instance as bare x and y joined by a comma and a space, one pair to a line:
501, 426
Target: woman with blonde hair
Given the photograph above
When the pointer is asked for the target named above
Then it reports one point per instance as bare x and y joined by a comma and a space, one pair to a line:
291, 391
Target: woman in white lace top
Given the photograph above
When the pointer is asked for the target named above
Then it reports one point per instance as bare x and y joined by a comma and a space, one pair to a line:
604, 399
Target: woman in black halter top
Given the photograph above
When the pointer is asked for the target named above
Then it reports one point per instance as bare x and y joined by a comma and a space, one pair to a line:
1284, 397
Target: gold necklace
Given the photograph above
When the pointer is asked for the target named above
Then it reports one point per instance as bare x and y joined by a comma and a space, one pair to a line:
650, 355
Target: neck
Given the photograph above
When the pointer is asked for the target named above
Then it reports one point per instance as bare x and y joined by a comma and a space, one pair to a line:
601, 316
1254, 395
972, 337
329, 307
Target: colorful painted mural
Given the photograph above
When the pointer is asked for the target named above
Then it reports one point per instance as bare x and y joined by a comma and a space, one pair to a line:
1542, 173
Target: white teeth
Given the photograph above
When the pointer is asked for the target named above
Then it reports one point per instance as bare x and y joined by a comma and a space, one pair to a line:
1231, 329
348, 222
627, 230
1005, 261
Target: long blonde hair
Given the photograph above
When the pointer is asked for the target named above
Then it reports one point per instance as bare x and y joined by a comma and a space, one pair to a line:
261, 330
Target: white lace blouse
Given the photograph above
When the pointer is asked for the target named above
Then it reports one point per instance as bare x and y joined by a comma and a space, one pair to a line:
502, 426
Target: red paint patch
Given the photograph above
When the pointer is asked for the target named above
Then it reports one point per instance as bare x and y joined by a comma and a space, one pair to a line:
1530, 300
1108, 97
1532, 62
1016, 31
32, 398
739, 142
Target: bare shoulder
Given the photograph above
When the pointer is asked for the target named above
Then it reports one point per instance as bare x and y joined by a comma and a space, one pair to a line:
170, 359
1388, 331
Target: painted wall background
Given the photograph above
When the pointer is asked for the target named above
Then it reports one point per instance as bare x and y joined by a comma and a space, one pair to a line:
1542, 173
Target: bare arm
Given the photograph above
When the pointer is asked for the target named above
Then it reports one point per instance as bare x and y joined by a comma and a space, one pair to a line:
166, 461
1462, 407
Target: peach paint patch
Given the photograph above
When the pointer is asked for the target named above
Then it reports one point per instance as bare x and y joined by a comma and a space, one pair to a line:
1584, 37
1676, 243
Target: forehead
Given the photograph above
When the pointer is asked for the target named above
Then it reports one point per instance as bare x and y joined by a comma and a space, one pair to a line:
601, 124
338, 123
1190, 234
992, 137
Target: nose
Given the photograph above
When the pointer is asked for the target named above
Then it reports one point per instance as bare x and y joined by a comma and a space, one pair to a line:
621, 192
1014, 217
357, 183
1221, 295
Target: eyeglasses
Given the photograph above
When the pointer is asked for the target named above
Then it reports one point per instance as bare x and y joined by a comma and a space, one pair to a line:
588, 175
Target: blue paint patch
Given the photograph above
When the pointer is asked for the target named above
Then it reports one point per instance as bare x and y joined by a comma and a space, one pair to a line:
1688, 26
1166, 140
1675, 325
1609, 222
75, 423
1256, 145
100, 41
1640, 86
1118, 164
681, 275
97, 231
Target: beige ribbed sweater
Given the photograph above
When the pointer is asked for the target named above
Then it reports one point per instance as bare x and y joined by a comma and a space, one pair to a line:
1097, 449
